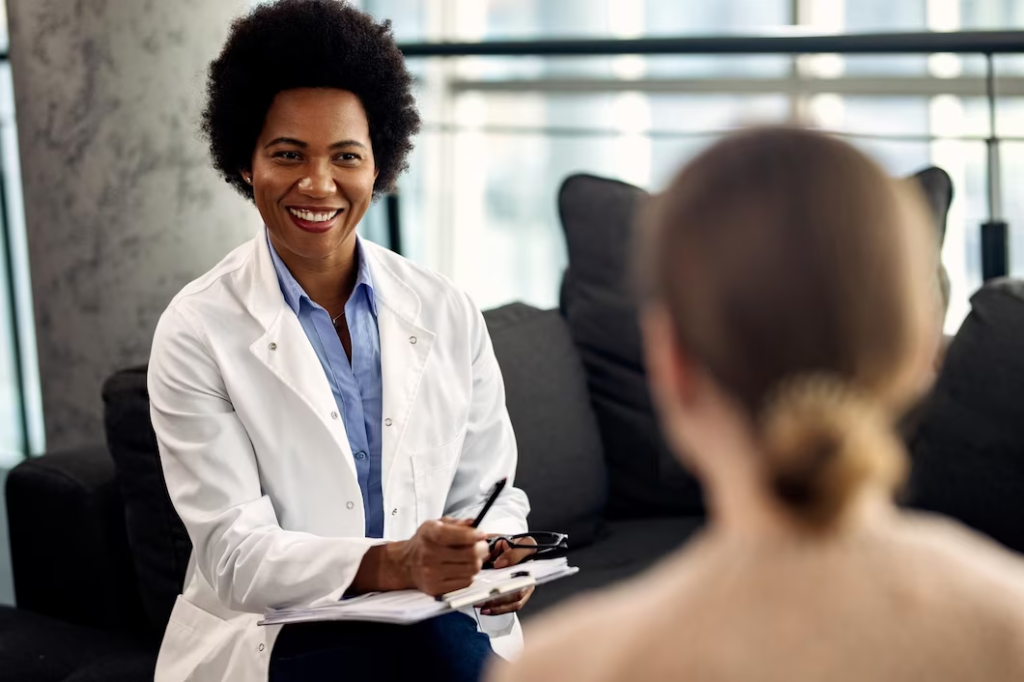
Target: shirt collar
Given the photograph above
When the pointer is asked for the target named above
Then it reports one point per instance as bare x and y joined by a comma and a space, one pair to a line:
293, 291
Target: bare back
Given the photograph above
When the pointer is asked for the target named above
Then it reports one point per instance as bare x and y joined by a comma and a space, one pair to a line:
917, 598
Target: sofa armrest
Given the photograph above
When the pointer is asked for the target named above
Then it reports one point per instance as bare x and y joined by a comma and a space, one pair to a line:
69, 550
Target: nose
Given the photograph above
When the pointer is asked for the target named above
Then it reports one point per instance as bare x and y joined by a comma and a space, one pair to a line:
318, 183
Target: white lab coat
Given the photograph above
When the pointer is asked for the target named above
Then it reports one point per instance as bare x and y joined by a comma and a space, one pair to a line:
258, 463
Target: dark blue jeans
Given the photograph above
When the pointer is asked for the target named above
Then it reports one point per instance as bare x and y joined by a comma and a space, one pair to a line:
448, 647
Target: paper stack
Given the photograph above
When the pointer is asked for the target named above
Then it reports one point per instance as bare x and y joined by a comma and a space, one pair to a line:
412, 606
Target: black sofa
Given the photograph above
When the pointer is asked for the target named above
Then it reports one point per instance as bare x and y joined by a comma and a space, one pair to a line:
99, 554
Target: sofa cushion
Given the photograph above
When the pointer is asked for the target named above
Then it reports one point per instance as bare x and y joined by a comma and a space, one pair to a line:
34, 648
597, 217
160, 545
968, 450
561, 464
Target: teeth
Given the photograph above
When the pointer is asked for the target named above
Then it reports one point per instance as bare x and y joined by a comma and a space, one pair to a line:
312, 217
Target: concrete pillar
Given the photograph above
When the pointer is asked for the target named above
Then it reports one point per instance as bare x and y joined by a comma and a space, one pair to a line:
122, 206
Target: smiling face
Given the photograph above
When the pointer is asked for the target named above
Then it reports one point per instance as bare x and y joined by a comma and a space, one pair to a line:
312, 174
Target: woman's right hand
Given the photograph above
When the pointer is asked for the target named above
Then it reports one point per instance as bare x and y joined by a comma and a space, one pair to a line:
442, 556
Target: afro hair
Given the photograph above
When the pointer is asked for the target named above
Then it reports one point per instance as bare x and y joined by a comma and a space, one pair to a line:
308, 44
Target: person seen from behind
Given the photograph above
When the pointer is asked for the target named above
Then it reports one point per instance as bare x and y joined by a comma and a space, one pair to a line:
789, 319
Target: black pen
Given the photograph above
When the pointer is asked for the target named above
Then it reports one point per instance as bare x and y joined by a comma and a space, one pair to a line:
498, 487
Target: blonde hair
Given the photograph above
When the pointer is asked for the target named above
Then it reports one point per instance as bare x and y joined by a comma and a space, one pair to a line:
823, 441
798, 274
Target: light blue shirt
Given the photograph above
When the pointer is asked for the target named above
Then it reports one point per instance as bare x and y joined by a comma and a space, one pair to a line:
357, 386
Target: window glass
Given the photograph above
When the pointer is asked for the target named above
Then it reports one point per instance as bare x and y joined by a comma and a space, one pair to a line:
500, 135
21, 425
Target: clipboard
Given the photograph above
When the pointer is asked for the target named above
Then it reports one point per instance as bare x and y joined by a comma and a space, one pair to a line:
470, 596
412, 606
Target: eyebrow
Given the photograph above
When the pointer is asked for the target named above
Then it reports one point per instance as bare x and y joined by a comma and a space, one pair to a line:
303, 145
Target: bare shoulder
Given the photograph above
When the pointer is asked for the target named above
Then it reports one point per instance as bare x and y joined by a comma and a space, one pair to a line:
970, 572
576, 642
593, 636
963, 549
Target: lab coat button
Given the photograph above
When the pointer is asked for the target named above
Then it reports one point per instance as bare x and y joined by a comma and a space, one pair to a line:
273, 346
394, 512
262, 646
350, 505
334, 415
388, 422
412, 340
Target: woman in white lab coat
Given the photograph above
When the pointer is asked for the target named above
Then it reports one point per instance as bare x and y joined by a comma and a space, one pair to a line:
329, 414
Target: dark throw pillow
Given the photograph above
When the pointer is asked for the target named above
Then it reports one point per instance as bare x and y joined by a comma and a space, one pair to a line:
968, 450
160, 545
937, 187
645, 479
561, 466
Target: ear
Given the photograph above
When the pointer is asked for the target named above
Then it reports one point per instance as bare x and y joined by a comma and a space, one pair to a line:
674, 381
670, 373
246, 174
376, 171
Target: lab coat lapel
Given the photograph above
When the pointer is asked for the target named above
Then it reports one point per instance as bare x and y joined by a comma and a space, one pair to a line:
287, 353
404, 350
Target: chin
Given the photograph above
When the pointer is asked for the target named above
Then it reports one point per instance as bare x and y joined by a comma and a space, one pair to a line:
315, 246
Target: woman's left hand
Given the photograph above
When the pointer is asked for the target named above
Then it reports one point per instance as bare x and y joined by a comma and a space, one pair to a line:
501, 557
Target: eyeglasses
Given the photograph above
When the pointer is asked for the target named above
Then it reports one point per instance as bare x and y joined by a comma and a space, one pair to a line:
547, 542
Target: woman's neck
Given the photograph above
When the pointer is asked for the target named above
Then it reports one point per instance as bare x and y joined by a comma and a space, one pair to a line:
328, 282
741, 505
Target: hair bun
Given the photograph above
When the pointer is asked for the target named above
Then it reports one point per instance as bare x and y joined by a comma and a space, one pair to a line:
825, 441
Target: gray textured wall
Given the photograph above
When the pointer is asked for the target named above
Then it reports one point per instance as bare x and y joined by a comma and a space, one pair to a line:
122, 206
